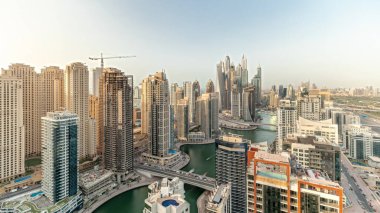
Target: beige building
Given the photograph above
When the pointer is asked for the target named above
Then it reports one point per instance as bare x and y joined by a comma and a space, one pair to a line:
76, 101
323, 128
182, 119
51, 81
12, 140
30, 105
207, 114
310, 107
93, 104
155, 113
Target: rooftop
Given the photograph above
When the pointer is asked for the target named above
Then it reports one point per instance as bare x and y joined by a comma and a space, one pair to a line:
92, 177
277, 158
374, 158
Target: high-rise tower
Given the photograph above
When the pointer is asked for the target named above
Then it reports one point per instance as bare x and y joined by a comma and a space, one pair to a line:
210, 87
117, 99
76, 101
231, 167
195, 93
52, 91
207, 114
257, 82
12, 135
156, 113
59, 155
30, 105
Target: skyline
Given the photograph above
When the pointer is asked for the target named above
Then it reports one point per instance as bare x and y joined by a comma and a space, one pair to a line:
330, 38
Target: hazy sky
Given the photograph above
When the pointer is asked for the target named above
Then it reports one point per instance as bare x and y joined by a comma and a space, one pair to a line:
332, 43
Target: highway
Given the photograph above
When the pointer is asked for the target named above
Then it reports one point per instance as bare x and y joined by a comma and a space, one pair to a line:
361, 190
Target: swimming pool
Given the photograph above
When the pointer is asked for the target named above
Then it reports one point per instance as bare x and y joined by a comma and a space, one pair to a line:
36, 194
23, 178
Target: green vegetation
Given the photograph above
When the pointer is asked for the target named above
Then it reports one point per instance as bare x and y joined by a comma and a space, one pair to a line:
33, 162
358, 101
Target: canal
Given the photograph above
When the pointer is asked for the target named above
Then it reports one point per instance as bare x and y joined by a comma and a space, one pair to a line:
202, 162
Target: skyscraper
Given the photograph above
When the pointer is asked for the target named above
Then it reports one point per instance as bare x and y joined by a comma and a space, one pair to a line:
117, 98
210, 87
76, 101
244, 72
52, 91
12, 135
286, 121
60, 155
156, 113
96, 73
249, 104
257, 82
187, 86
195, 93
207, 114
182, 119
235, 102
173, 90
221, 86
31, 105
231, 167
93, 119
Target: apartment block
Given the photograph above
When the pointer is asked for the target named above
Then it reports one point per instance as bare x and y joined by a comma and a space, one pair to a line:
12, 130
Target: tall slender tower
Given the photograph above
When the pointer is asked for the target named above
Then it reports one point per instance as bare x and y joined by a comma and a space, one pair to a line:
31, 105
156, 113
182, 118
257, 82
244, 72
60, 155
76, 101
117, 99
207, 113
221, 85
96, 73
12, 140
195, 93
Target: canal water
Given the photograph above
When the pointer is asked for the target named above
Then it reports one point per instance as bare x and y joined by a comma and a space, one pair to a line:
202, 162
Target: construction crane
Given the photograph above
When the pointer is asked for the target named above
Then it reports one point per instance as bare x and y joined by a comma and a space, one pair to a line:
102, 58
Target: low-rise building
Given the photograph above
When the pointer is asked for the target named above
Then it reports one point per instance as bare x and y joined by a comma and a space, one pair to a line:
323, 128
363, 145
374, 162
220, 200
166, 197
197, 136
95, 182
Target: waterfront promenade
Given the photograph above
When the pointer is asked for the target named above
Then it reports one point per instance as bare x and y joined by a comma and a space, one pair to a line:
111, 194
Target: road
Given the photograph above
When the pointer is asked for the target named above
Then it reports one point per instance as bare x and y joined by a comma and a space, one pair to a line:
361, 190
350, 194
20, 191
